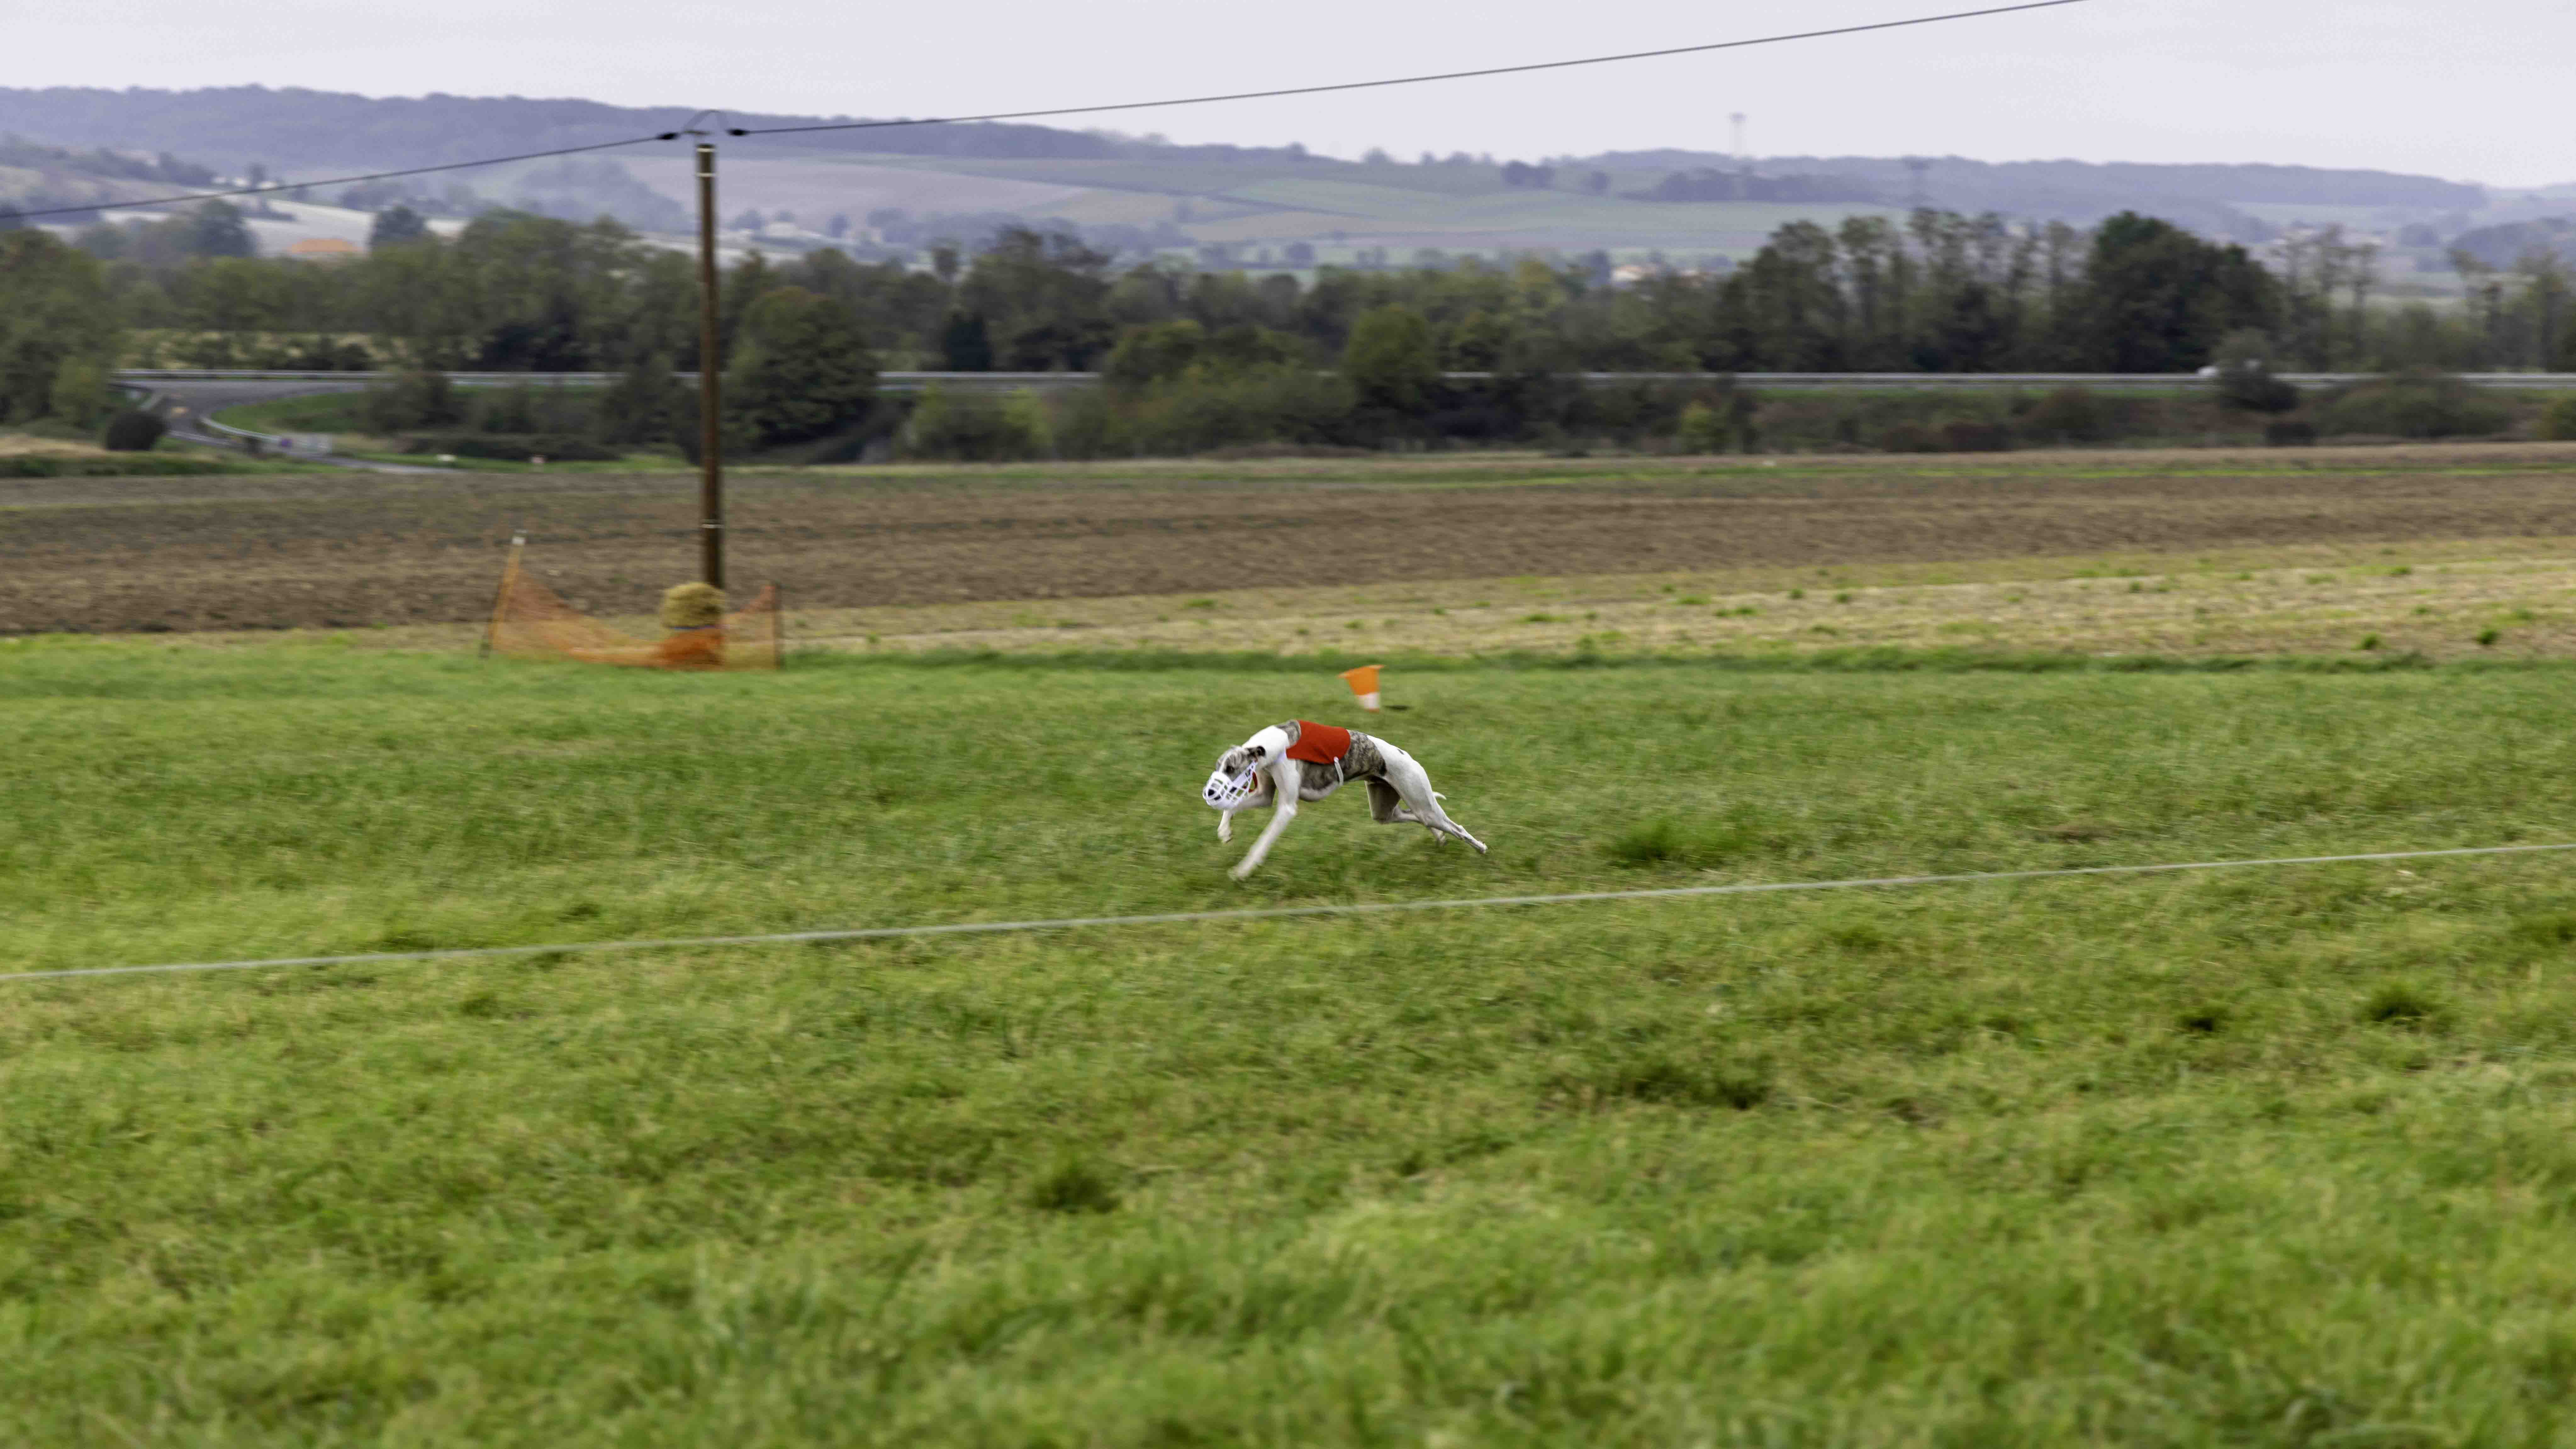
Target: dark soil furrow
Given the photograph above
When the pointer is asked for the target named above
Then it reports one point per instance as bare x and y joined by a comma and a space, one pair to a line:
232, 553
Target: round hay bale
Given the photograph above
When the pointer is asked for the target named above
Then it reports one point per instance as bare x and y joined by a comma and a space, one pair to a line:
692, 606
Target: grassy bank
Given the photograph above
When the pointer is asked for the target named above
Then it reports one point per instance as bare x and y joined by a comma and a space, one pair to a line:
343, 412
343, 415
53, 450
2271, 1157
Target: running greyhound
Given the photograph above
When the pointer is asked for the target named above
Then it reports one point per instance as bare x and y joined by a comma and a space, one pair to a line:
1302, 760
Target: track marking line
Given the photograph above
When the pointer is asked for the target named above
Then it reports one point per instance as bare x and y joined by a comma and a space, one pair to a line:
1278, 913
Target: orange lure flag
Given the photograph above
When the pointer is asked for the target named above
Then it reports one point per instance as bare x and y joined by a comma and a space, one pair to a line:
1363, 683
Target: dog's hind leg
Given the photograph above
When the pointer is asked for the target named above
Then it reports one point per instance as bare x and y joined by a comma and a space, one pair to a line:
1421, 802
1386, 805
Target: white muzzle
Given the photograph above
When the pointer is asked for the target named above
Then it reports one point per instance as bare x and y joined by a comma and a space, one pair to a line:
1231, 792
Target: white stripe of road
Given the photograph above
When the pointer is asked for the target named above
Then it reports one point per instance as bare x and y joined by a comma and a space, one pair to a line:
1275, 913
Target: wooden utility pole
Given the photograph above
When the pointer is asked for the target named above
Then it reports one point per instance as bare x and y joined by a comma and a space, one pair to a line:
710, 387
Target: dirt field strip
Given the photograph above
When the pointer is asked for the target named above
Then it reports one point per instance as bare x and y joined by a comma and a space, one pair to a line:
248, 552
2427, 598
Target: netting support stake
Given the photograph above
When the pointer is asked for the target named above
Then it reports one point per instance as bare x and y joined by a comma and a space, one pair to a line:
501, 597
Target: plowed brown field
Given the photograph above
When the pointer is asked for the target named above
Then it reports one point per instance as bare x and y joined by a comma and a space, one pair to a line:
308, 550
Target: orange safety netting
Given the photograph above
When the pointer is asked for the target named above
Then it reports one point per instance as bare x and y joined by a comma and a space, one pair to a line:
531, 621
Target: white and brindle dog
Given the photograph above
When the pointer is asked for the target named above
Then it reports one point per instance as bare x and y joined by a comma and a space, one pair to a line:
1302, 760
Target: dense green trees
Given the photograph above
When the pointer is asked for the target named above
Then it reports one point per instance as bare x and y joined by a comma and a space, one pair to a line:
2161, 299
644, 405
802, 370
410, 401
58, 326
218, 230
131, 430
1932, 292
1184, 349
1391, 360
394, 226
1346, 356
1042, 301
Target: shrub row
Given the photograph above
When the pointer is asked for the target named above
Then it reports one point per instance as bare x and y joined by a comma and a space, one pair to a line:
132, 430
1294, 407
1300, 409
122, 465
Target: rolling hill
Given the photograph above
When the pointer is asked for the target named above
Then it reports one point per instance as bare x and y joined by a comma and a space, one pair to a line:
903, 186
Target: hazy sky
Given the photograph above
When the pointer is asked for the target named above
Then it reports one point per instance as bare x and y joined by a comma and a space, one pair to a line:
2472, 92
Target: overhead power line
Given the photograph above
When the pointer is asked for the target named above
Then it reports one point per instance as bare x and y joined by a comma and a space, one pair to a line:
1415, 80
272, 189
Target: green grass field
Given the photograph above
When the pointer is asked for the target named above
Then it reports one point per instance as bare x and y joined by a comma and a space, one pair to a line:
321, 412
2259, 1157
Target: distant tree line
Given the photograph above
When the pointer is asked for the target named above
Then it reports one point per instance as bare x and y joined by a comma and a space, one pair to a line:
1711, 184
1937, 293
1201, 358
19, 152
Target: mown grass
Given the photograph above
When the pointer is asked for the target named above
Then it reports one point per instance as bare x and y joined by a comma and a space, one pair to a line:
2278, 1157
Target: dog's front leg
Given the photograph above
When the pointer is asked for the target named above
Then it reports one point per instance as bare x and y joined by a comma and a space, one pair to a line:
1225, 827
1280, 814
